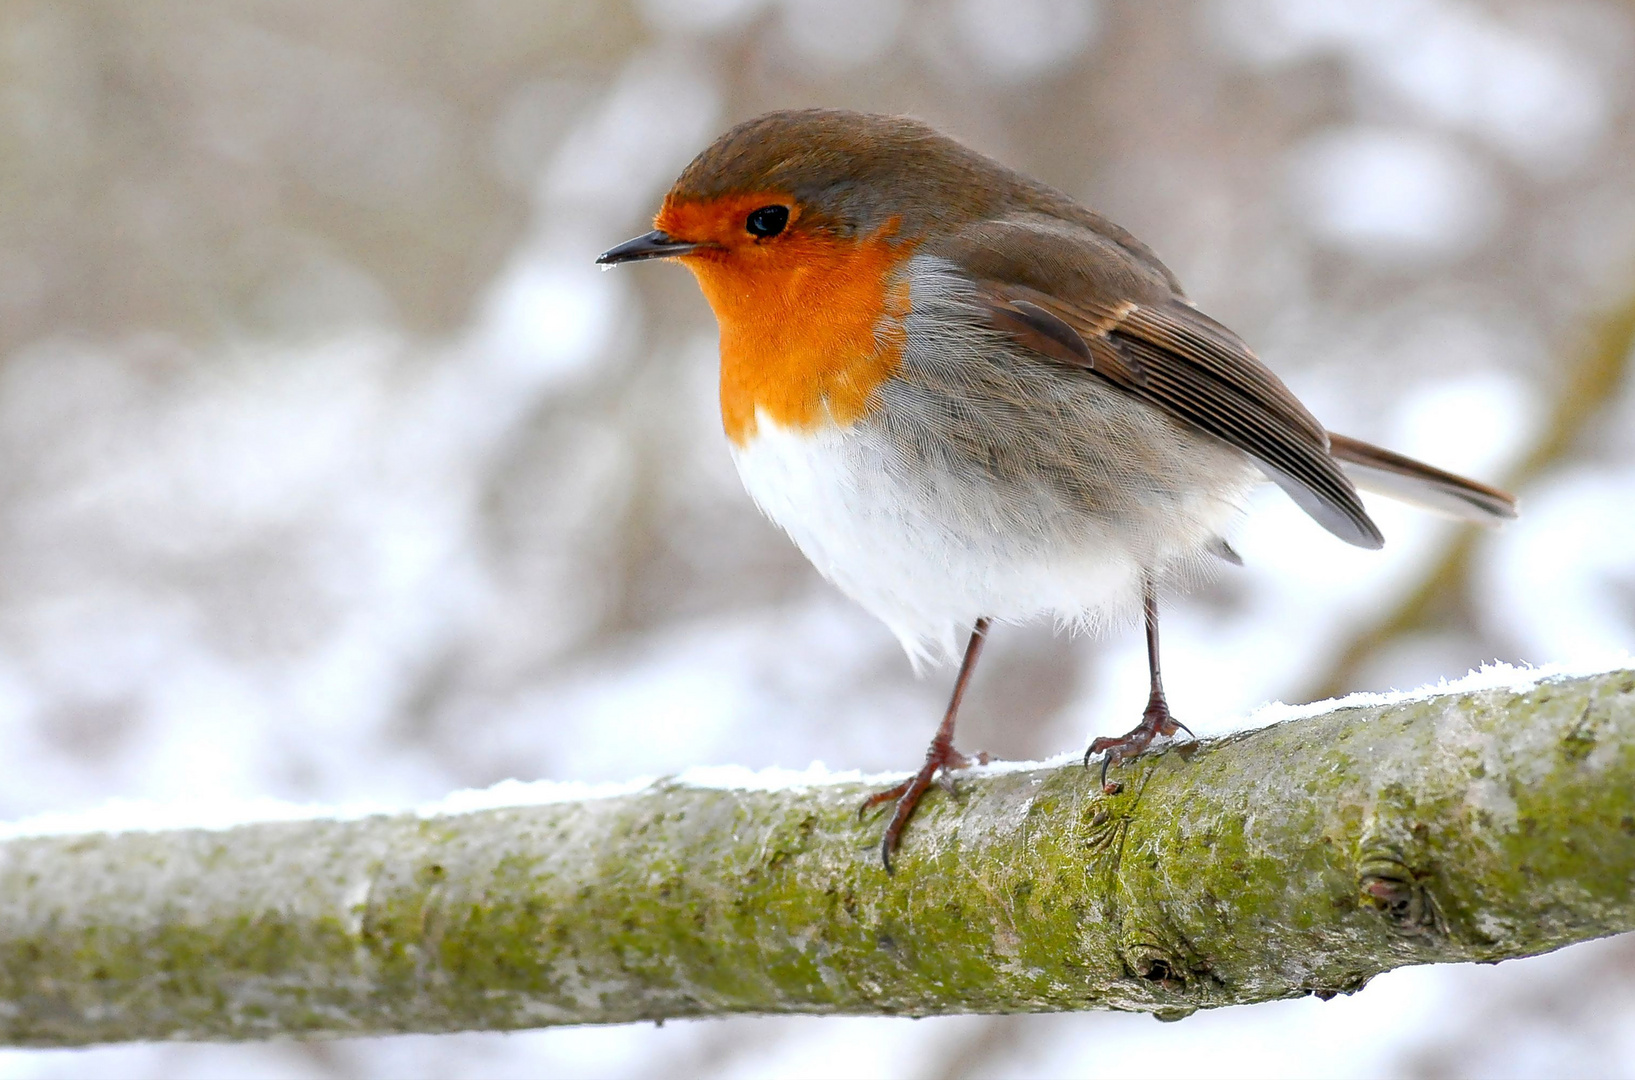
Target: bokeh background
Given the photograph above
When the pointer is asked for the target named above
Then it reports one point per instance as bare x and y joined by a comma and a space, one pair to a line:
332, 470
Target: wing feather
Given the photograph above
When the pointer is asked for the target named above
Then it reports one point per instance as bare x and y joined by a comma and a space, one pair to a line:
1066, 293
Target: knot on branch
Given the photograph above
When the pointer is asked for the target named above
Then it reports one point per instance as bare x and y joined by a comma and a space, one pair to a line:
1160, 968
1388, 884
1180, 977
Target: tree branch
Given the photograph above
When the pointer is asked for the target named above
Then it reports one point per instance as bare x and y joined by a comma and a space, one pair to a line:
1300, 858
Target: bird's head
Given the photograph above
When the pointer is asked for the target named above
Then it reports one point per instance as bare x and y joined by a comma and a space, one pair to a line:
799, 227
789, 194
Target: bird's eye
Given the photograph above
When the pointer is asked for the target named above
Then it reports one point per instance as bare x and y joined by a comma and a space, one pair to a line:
767, 221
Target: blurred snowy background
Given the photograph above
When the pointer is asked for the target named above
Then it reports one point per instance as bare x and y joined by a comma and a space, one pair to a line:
332, 470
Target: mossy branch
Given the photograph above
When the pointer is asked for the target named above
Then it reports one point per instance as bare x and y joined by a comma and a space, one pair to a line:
1301, 858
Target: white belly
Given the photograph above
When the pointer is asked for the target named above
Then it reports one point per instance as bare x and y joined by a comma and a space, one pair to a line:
929, 552
987, 481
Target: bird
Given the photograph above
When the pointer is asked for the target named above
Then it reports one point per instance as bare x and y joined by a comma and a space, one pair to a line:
968, 399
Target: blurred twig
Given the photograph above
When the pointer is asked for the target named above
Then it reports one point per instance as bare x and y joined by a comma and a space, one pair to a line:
977, 1048
1592, 381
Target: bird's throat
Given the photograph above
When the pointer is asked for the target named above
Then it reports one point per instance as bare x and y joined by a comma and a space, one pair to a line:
808, 331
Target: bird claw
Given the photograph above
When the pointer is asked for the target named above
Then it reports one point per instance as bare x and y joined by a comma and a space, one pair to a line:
945, 776
1155, 721
940, 763
888, 795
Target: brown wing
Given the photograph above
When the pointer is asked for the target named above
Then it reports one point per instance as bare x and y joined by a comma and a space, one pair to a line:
1070, 294
1374, 468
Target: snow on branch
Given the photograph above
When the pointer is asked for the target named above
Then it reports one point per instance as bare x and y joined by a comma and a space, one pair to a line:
1477, 821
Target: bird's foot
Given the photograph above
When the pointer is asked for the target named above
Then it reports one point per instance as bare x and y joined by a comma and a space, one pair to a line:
940, 759
1155, 721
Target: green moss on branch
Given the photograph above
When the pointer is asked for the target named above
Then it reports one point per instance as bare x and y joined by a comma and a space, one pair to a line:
1301, 858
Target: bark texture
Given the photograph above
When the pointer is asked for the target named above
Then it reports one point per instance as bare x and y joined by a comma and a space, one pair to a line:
1302, 858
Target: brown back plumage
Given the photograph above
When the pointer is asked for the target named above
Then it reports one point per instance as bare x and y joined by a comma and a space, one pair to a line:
854, 172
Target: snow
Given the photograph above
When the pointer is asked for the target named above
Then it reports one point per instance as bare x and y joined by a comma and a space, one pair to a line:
130, 815
144, 815
1498, 676
741, 778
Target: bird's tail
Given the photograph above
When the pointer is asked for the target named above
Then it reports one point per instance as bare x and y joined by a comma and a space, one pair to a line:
1385, 473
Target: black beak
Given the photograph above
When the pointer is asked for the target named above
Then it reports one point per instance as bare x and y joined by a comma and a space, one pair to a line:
654, 245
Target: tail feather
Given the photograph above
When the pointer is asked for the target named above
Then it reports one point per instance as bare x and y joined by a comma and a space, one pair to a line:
1383, 472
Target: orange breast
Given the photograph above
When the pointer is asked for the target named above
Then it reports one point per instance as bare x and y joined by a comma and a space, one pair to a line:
810, 326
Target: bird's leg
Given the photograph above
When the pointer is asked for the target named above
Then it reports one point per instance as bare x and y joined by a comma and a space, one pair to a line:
1155, 719
940, 756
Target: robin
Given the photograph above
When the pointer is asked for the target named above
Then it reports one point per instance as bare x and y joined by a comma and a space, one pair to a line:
967, 398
